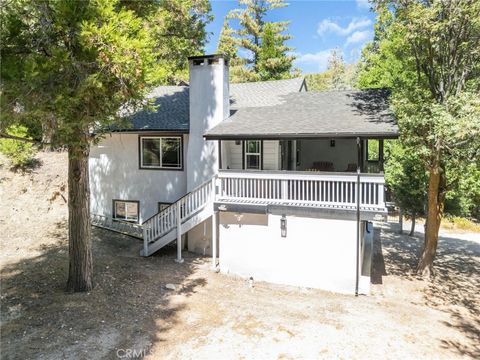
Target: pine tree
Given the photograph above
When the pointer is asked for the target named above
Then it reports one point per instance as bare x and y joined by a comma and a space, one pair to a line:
273, 61
227, 45
336, 66
250, 36
79, 63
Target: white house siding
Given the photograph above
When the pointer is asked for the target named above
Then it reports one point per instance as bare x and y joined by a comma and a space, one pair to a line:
318, 253
343, 153
115, 174
234, 153
271, 155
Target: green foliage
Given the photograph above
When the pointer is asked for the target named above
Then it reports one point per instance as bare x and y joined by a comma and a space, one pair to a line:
338, 76
319, 81
464, 198
429, 56
264, 42
73, 65
406, 177
20, 153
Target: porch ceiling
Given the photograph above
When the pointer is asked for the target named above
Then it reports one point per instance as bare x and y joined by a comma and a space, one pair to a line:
363, 113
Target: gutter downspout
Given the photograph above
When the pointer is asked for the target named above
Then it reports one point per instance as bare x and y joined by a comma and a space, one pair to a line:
359, 159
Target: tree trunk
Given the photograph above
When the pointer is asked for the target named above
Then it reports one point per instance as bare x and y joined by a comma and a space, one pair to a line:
412, 229
80, 272
434, 217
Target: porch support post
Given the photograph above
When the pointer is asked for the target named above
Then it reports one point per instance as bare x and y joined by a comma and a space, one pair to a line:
380, 154
214, 239
294, 155
219, 154
359, 156
179, 233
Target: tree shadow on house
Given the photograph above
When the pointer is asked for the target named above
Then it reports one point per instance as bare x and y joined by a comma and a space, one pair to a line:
454, 287
129, 308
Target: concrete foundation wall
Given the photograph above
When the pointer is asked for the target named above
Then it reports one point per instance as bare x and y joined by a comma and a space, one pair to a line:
115, 174
317, 253
200, 238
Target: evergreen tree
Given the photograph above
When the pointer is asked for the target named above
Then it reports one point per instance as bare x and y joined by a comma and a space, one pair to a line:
79, 63
338, 76
429, 53
273, 61
336, 66
227, 45
250, 36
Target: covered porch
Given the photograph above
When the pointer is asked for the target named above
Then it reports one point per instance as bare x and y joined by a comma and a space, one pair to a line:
317, 150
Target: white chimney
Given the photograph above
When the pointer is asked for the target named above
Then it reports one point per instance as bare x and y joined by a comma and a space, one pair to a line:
209, 105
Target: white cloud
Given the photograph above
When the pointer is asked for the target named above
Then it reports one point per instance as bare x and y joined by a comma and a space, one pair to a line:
359, 37
363, 4
319, 59
329, 26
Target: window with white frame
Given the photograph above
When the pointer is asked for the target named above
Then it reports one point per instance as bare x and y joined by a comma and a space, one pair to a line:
126, 210
161, 152
253, 154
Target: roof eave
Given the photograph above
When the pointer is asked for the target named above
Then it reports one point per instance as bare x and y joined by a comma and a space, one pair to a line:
344, 135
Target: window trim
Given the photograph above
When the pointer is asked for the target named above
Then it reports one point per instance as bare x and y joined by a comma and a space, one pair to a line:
244, 153
114, 211
162, 136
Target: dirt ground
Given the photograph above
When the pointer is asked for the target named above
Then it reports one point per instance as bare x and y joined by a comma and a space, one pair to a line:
130, 313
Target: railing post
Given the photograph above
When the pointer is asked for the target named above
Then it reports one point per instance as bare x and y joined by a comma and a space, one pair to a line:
214, 239
381, 195
214, 187
145, 240
284, 189
179, 233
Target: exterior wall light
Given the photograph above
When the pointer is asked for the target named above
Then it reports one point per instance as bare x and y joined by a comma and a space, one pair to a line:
332, 143
283, 226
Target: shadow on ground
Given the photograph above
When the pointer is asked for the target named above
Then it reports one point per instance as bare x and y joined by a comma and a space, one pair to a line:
129, 308
454, 287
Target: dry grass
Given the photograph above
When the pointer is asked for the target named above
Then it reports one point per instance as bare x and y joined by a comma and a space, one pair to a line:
211, 315
456, 223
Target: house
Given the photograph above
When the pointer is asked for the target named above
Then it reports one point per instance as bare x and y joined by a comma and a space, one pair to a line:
272, 181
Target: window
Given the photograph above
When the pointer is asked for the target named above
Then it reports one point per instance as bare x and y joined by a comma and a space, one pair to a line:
162, 206
125, 210
161, 152
253, 154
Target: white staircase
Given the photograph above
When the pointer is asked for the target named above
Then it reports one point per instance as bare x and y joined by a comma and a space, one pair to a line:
174, 221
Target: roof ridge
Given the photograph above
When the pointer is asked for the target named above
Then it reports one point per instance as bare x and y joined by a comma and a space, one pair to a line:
269, 81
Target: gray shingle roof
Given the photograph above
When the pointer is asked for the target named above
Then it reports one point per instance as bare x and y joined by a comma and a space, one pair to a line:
172, 113
314, 114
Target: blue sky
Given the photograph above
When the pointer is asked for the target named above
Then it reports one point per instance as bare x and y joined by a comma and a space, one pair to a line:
317, 27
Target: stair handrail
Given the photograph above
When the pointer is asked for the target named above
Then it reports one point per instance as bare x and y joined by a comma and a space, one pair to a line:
190, 204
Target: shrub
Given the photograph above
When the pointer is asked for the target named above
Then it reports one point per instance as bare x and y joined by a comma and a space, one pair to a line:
20, 153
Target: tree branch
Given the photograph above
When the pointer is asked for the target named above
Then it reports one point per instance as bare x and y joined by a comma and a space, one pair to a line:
19, 138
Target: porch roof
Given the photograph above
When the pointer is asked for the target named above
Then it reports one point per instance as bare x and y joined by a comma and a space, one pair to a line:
363, 113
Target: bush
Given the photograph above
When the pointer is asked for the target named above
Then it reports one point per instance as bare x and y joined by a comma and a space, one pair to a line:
20, 153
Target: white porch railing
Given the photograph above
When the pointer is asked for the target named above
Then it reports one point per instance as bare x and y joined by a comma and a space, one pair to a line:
290, 188
173, 216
